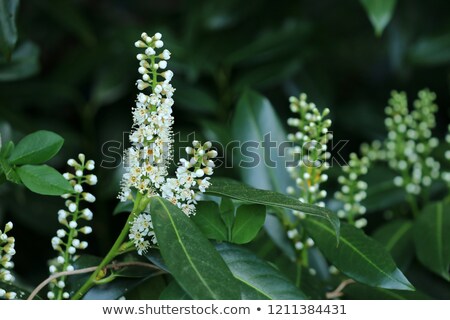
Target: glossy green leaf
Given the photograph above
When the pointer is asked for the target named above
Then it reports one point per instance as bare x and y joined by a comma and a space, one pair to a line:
257, 279
357, 255
22, 294
227, 212
250, 125
126, 206
174, 292
380, 13
236, 190
432, 238
36, 148
208, 220
249, 220
358, 291
397, 238
23, 64
8, 29
43, 179
190, 257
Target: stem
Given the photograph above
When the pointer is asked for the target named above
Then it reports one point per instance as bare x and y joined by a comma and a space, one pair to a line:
113, 252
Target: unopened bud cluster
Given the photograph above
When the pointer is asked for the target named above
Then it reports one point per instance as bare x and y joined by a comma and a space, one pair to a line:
73, 218
6, 253
446, 174
353, 191
310, 149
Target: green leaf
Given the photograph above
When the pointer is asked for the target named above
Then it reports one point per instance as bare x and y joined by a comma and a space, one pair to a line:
250, 125
249, 220
432, 51
8, 29
126, 206
257, 278
22, 294
208, 220
397, 238
236, 190
174, 292
191, 258
432, 238
359, 291
227, 212
357, 255
23, 64
36, 148
380, 13
43, 179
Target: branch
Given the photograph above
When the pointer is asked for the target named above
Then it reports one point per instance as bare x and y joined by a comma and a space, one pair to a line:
113, 266
338, 291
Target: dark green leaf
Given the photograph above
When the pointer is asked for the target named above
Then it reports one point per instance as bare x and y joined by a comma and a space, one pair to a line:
8, 29
357, 255
433, 51
195, 100
191, 258
24, 63
36, 148
249, 220
126, 206
227, 212
174, 292
236, 190
359, 291
43, 179
208, 220
257, 279
398, 241
432, 238
267, 169
22, 294
277, 233
380, 13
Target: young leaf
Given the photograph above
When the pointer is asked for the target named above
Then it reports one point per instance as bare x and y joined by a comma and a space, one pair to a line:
432, 238
43, 179
227, 212
208, 220
357, 255
36, 148
191, 258
257, 279
236, 190
397, 237
249, 220
379, 12
8, 30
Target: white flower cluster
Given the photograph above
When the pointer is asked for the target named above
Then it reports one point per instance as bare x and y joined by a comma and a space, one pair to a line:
353, 190
446, 174
6, 253
310, 149
151, 151
410, 143
66, 241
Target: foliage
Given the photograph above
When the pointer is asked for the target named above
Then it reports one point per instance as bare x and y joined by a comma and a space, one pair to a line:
66, 86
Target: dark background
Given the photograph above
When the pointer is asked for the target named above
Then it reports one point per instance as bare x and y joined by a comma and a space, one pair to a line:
78, 68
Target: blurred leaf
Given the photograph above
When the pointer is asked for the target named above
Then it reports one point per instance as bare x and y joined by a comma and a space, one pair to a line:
22, 294
227, 212
208, 220
24, 63
249, 220
380, 13
397, 238
277, 233
109, 85
36, 148
43, 179
236, 190
257, 279
357, 255
154, 256
195, 100
251, 125
358, 291
126, 206
432, 51
189, 255
432, 238
174, 292
8, 29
